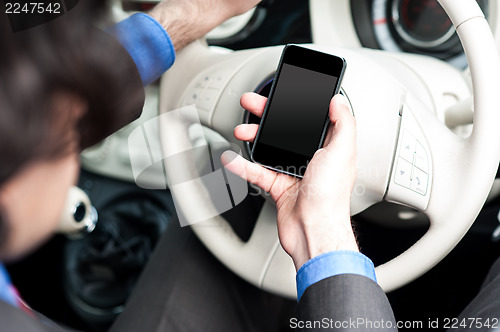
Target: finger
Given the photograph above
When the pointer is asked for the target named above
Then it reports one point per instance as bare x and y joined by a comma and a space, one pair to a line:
340, 114
342, 121
253, 103
246, 132
253, 173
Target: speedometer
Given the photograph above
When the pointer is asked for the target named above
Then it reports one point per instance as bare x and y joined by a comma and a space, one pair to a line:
421, 23
414, 26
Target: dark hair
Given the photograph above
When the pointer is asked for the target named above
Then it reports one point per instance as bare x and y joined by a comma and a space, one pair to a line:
69, 55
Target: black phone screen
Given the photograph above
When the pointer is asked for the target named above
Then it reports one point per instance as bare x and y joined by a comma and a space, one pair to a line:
296, 114
299, 105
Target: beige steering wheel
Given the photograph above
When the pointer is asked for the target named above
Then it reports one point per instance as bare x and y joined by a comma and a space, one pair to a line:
398, 135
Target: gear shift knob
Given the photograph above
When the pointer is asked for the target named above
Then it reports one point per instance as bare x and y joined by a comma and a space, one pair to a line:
79, 217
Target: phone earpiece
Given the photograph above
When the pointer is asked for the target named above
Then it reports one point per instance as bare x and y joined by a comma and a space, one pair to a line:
79, 217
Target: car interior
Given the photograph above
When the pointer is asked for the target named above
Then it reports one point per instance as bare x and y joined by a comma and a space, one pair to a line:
415, 94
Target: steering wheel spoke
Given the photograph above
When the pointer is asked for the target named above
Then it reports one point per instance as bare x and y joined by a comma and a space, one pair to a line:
461, 170
411, 180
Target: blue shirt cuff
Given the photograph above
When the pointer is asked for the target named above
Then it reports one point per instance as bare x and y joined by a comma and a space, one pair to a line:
7, 293
147, 43
333, 263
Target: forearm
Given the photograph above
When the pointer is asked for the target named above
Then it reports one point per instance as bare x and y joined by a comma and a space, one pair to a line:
153, 39
318, 230
186, 21
325, 238
330, 248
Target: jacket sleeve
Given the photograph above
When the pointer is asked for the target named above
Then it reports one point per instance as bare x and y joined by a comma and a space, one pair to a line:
483, 312
345, 302
15, 320
119, 95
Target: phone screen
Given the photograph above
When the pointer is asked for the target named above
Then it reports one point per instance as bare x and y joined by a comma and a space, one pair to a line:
299, 105
294, 120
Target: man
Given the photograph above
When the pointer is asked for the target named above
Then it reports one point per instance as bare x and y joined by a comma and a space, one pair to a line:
65, 87
39, 170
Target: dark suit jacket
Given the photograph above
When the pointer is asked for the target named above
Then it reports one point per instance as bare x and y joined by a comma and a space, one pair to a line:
340, 303
349, 299
16, 320
344, 303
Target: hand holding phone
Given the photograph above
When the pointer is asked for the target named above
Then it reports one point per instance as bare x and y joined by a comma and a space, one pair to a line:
295, 118
313, 212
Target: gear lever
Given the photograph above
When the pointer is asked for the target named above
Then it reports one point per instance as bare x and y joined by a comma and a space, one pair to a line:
79, 217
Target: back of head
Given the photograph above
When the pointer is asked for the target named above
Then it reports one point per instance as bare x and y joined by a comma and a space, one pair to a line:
68, 55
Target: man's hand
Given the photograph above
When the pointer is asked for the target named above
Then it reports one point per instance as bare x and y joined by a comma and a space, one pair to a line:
313, 213
188, 20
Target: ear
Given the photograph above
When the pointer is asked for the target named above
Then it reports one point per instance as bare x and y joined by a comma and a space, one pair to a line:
4, 228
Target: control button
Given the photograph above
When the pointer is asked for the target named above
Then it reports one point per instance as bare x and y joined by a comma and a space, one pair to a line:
218, 78
217, 81
194, 96
403, 173
208, 98
204, 82
419, 181
421, 159
407, 149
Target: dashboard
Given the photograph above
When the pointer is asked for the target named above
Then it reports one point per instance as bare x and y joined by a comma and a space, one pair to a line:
412, 26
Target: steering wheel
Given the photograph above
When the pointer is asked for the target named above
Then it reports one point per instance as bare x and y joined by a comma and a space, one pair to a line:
405, 153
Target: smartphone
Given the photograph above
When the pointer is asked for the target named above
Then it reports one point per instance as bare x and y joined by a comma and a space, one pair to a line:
295, 119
